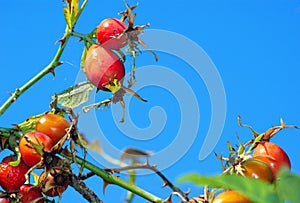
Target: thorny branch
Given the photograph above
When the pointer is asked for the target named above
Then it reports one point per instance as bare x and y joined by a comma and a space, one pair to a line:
153, 168
48, 69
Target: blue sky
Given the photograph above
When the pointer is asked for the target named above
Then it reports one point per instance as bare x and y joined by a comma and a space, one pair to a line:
254, 45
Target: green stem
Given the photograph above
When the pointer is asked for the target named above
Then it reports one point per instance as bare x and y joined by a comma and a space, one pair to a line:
132, 176
84, 37
52, 65
115, 180
5, 132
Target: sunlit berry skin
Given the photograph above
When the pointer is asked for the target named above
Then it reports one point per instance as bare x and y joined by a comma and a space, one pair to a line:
12, 177
258, 170
110, 33
4, 200
30, 194
54, 184
28, 152
273, 155
53, 125
102, 66
231, 196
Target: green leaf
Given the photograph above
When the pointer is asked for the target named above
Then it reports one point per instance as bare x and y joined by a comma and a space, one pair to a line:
256, 190
15, 147
16, 162
288, 186
74, 10
114, 86
36, 178
29, 124
241, 149
70, 12
67, 15
75, 95
83, 57
75, 7
256, 140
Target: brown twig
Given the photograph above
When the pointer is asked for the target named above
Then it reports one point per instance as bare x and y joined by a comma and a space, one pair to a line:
87, 175
78, 184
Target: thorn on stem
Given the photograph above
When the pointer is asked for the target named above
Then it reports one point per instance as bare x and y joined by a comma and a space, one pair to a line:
187, 192
169, 199
52, 71
62, 40
165, 184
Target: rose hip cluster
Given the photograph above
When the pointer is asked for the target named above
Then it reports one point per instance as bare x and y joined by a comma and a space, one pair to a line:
49, 130
103, 66
264, 164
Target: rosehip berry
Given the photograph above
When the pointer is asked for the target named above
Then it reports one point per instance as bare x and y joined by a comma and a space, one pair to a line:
27, 145
4, 200
55, 183
31, 193
102, 67
12, 177
52, 125
231, 196
273, 155
258, 170
109, 33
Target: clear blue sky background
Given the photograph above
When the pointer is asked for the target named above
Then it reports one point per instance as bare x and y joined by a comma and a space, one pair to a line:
255, 46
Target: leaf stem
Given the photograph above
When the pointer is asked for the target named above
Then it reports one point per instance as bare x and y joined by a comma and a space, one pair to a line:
115, 180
